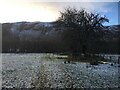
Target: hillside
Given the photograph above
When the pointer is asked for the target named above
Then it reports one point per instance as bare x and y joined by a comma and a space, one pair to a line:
36, 35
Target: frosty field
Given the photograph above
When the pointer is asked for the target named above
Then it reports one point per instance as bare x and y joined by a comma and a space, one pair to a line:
44, 70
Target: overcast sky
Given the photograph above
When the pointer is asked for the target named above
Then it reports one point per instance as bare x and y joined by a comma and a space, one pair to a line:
37, 10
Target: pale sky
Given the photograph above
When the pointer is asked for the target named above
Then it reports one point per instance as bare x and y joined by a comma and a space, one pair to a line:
48, 10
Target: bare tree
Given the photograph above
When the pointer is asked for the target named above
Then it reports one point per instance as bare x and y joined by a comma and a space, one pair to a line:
80, 28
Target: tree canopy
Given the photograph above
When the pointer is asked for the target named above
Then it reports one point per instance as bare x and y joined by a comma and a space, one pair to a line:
80, 28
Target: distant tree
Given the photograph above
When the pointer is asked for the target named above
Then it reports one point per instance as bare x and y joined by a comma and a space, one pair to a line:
81, 28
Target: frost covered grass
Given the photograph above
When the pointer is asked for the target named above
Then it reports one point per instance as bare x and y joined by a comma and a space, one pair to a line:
45, 70
54, 56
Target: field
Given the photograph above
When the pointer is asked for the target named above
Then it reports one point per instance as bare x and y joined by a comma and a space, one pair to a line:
45, 70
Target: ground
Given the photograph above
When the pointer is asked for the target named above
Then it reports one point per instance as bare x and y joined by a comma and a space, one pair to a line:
45, 70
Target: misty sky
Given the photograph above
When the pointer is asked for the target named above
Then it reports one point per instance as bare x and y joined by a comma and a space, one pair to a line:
35, 10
